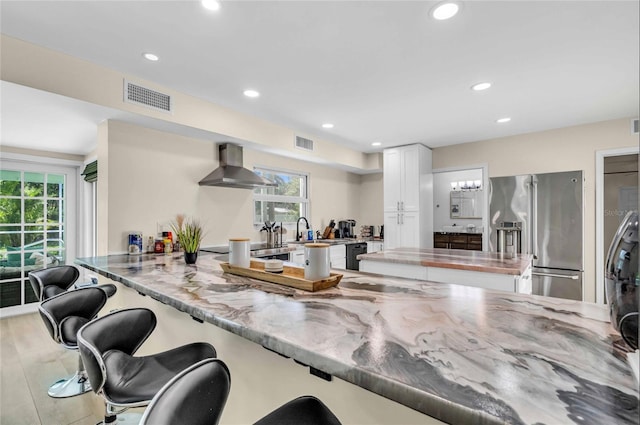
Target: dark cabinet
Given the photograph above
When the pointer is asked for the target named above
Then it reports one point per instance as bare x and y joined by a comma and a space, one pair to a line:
467, 241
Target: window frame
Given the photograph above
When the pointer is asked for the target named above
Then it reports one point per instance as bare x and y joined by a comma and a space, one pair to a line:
33, 164
304, 201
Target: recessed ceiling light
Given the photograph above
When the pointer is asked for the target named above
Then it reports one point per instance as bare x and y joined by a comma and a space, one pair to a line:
376, 144
211, 4
445, 10
251, 93
151, 57
480, 86
503, 120
327, 125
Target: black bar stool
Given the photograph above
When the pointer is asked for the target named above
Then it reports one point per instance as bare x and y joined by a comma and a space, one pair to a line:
305, 410
52, 281
47, 283
107, 346
197, 396
63, 315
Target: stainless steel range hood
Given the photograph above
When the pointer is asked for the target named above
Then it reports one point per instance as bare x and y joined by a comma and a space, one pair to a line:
230, 173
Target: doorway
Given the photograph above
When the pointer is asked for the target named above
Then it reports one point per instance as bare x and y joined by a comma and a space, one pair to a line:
616, 193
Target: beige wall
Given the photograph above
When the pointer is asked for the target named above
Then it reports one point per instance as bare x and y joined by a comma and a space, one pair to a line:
44, 69
371, 200
152, 176
564, 149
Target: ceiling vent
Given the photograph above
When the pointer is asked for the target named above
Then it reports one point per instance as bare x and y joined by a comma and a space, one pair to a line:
634, 126
306, 144
139, 95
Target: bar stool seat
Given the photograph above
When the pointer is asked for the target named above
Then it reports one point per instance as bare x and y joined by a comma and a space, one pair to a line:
107, 346
63, 315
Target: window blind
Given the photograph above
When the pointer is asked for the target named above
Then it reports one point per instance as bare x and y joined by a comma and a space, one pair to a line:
90, 172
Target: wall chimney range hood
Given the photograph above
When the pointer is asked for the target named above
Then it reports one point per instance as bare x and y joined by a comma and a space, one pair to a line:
231, 173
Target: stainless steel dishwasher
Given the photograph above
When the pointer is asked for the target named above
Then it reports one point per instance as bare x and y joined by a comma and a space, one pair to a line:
353, 250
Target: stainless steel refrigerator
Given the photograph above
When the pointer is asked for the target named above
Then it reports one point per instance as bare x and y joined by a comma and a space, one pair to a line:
547, 212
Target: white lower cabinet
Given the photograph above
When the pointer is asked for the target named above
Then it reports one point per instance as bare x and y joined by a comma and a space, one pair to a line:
375, 246
297, 256
337, 254
502, 282
402, 230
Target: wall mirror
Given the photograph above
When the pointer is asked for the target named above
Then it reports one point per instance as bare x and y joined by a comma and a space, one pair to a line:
466, 204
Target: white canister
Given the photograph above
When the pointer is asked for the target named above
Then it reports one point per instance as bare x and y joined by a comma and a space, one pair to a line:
317, 262
239, 252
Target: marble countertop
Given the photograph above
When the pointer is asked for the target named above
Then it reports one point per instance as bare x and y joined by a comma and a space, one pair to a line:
480, 261
459, 354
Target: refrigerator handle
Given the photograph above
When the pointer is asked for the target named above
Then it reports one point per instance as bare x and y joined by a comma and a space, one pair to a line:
534, 219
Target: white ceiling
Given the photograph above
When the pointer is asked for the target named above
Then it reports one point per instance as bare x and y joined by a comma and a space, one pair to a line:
381, 71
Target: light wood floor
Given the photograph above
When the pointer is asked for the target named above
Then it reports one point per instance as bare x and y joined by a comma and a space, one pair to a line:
30, 361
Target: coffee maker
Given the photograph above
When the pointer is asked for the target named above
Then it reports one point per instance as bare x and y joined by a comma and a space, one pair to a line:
347, 228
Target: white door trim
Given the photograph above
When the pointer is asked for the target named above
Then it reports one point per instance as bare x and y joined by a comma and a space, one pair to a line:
600, 242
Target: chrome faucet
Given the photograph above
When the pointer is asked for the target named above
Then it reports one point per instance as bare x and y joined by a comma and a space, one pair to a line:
298, 227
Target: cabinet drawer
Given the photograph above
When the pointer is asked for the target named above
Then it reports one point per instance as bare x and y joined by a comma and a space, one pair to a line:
441, 237
454, 245
458, 239
474, 247
475, 239
444, 245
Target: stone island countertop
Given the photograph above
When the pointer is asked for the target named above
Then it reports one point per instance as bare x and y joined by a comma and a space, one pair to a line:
480, 261
462, 355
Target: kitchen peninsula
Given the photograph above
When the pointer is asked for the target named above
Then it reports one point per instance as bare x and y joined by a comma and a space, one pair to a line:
459, 354
488, 270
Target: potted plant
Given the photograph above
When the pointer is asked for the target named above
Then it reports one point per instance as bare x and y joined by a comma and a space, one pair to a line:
189, 233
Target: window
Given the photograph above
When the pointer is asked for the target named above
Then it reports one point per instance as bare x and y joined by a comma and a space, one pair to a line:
31, 226
284, 203
34, 225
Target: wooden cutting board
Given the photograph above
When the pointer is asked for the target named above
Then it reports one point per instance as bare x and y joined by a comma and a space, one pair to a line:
290, 276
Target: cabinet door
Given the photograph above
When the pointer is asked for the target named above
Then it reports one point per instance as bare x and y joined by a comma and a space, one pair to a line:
391, 229
474, 242
339, 263
392, 179
410, 184
409, 230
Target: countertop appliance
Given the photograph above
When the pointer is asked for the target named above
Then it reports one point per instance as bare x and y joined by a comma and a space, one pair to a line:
347, 228
353, 250
549, 209
622, 280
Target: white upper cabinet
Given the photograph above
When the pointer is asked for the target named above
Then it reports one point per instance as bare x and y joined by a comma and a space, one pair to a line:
408, 197
405, 169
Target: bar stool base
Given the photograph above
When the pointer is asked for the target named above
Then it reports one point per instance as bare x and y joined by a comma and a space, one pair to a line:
74, 385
